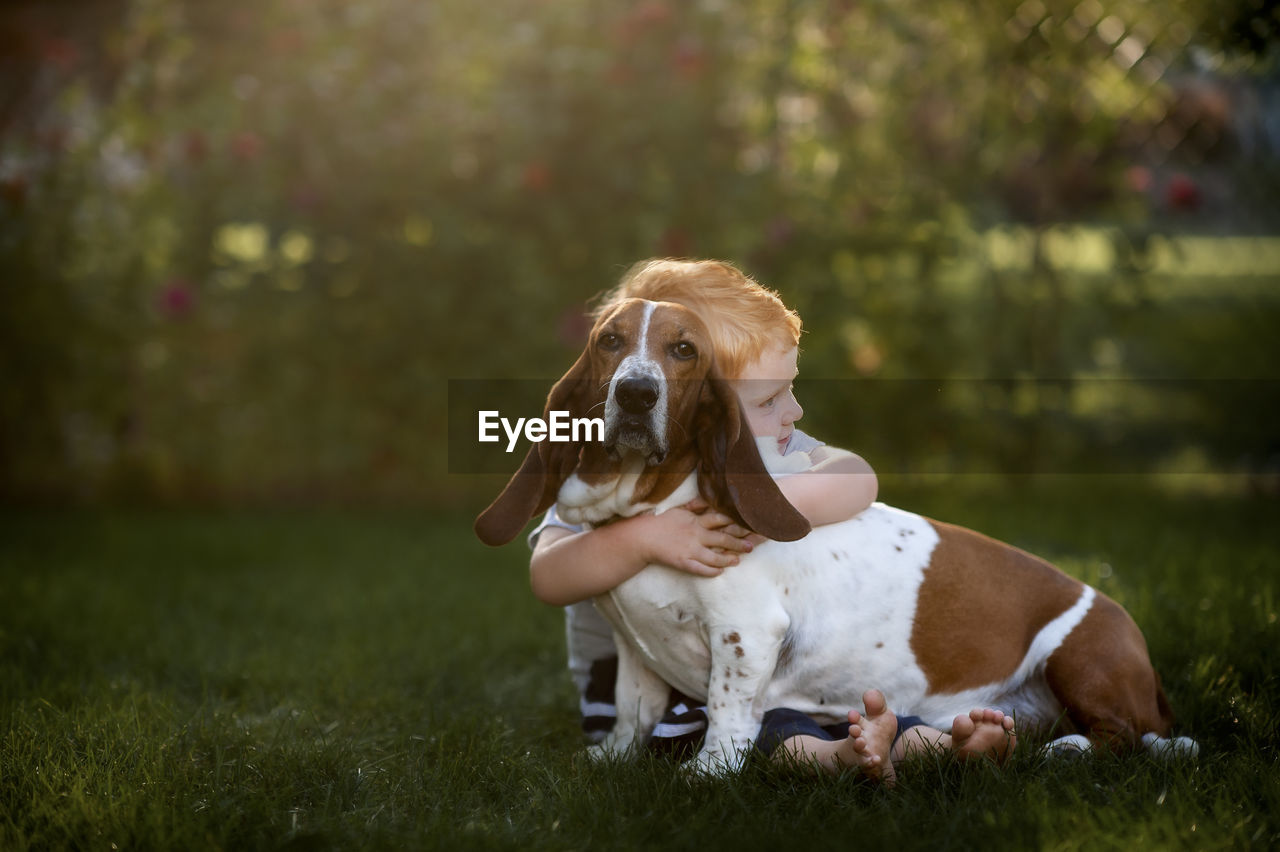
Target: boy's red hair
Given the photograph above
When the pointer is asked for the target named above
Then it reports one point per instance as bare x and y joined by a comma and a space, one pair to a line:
744, 318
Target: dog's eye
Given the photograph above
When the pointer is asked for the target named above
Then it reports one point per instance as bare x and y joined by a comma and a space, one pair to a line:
684, 350
610, 341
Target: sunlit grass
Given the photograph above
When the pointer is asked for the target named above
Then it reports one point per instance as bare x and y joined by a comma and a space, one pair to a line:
252, 680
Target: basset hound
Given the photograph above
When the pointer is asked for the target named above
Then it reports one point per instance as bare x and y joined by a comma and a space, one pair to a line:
939, 618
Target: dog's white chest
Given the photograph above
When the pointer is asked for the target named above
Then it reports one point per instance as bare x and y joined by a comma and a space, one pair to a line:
846, 595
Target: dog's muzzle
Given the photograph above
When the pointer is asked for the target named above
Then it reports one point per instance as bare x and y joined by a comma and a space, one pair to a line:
633, 419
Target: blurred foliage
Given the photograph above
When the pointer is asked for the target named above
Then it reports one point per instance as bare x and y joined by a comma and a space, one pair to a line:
244, 245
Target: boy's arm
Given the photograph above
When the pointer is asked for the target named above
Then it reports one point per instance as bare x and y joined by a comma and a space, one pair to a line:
839, 485
568, 567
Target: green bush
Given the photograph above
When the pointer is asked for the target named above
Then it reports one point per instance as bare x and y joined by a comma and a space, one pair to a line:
244, 246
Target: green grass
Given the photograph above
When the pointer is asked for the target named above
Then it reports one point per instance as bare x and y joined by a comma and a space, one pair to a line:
323, 679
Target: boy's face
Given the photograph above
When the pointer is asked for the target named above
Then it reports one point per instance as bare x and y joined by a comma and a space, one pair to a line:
765, 391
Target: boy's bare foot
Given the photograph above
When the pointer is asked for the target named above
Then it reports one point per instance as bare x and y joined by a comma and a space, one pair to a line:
983, 733
870, 738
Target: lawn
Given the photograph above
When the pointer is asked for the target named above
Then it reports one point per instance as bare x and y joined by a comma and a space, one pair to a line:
340, 679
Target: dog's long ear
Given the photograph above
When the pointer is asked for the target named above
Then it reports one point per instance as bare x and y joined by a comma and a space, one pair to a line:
546, 466
731, 475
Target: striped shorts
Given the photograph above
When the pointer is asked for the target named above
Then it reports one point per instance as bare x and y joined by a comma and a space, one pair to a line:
680, 731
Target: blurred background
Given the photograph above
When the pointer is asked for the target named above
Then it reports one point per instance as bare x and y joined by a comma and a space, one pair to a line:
245, 246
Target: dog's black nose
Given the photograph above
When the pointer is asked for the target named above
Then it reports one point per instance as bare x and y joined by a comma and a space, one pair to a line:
636, 396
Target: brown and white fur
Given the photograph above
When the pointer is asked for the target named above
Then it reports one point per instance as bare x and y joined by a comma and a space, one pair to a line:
940, 618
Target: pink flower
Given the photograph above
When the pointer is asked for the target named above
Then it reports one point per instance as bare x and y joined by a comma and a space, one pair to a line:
779, 231
689, 59
60, 52
573, 328
1182, 193
196, 146
643, 17
246, 146
651, 13
306, 197
621, 74
288, 41
176, 298
537, 177
1138, 178
675, 242
13, 191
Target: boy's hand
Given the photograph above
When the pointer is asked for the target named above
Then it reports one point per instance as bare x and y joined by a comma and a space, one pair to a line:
697, 539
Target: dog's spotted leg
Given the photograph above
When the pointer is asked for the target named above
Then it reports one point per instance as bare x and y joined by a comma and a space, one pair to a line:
641, 696
742, 661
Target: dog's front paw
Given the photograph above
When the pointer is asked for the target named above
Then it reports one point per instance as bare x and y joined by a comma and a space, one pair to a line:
607, 750
713, 764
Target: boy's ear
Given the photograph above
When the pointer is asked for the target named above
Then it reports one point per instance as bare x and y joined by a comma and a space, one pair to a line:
545, 468
731, 475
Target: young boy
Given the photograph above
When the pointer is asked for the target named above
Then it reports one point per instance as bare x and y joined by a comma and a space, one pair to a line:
756, 339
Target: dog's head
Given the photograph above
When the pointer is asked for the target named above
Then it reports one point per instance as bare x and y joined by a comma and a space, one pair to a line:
649, 371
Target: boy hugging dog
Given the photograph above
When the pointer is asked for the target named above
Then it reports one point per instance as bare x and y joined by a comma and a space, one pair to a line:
756, 341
